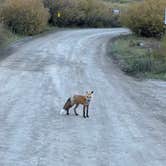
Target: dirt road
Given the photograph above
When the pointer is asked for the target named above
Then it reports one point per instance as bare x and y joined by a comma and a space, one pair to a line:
127, 124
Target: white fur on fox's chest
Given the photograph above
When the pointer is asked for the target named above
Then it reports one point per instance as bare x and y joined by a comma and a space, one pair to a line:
88, 101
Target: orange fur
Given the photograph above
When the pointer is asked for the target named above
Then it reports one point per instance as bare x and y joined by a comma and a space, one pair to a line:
76, 100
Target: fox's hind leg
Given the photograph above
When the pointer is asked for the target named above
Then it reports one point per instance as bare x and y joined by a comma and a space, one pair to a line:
75, 109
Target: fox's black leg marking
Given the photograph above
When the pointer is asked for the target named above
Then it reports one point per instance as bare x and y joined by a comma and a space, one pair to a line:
67, 112
75, 109
84, 112
87, 111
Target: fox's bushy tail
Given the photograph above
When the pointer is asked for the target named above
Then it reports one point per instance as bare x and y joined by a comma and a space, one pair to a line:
68, 104
62, 112
66, 107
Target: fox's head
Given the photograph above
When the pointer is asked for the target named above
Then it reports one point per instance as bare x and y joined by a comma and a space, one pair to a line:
89, 95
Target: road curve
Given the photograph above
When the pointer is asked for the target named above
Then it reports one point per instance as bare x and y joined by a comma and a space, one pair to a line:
127, 124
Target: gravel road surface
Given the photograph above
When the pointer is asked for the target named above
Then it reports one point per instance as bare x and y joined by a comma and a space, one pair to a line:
127, 124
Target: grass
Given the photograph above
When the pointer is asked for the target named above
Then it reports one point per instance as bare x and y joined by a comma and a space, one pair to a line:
134, 55
10, 37
161, 76
122, 1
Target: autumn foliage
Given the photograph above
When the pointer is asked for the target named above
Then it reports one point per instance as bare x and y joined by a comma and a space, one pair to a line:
24, 16
87, 13
146, 18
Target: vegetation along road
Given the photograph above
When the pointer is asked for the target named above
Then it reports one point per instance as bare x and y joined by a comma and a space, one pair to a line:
127, 124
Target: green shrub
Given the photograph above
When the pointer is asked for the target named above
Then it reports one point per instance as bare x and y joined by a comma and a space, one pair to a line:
24, 17
145, 18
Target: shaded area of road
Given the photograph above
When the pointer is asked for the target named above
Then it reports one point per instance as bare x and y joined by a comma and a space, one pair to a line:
127, 124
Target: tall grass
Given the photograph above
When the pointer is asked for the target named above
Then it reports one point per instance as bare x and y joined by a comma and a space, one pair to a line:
159, 55
135, 59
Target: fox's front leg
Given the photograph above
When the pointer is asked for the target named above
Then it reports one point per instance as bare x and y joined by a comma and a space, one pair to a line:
87, 111
67, 112
84, 111
75, 109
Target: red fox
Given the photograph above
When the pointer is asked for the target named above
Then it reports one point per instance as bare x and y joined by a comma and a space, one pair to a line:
77, 100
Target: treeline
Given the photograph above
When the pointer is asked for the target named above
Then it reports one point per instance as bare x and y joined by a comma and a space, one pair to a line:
87, 13
30, 17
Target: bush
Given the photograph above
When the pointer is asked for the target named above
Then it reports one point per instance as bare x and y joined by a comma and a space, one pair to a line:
24, 17
145, 18
90, 13
73, 14
71, 11
98, 14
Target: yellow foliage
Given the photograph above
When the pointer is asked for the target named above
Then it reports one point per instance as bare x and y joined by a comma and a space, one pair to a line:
24, 16
145, 18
